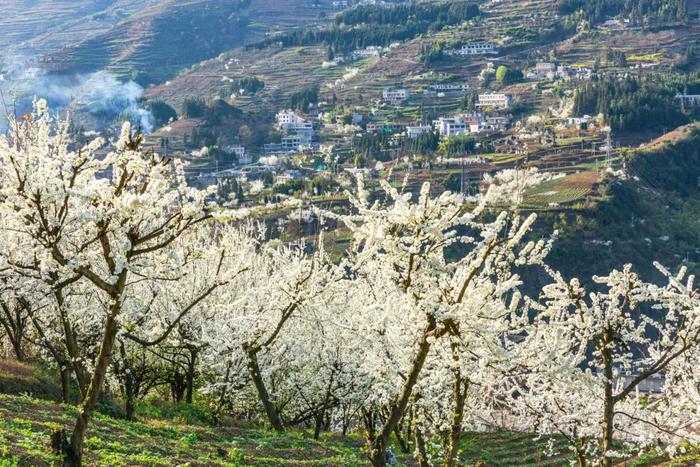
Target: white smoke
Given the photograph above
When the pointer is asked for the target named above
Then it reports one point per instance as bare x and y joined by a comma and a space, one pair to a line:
100, 98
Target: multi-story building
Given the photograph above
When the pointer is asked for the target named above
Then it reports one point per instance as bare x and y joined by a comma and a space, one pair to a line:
476, 48
457, 125
239, 152
395, 96
542, 68
688, 99
288, 118
449, 87
498, 121
372, 127
415, 131
494, 100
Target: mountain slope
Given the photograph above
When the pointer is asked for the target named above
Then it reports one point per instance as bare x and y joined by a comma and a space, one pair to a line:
44, 26
174, 34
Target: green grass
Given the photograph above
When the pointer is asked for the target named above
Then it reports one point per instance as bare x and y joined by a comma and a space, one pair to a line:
26, 424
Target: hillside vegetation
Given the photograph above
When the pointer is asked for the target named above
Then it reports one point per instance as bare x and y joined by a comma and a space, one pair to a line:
161, 39
26, 425
651, 215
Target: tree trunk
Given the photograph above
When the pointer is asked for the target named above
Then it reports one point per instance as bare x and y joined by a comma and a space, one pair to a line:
403, 443
17, 347
65, 384
608, 401
270, 410
129, 396
129, 382
191, 369
581, 457
459, 393
74, 453
71, 346
318, 425
421, 452
177, 386
378, 445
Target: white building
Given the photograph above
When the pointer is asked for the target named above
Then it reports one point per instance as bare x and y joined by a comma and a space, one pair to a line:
578, 121
236, 150
494, 100
372, 127
239, 152
476, 48
367, 52
395, 96
415, 131
288, 118
542, 68
297, 132
688, 99
288, 176
449, 87
459, 125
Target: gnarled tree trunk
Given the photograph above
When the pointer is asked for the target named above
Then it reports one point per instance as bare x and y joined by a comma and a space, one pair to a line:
255, 374
73, 455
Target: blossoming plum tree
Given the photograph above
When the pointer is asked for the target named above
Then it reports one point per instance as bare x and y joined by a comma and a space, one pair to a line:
594, 355
100, 223
401, 248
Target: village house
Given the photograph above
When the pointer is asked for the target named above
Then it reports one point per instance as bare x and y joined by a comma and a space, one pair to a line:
297, 132
290, 143
288, 176
615, 24
459, 124
579, 121
367, 52
395, 96
494, 100
287, 119
476, 48
497, 122
542, 68
688, 99
372, 127
449, 87
414, 132
239, 152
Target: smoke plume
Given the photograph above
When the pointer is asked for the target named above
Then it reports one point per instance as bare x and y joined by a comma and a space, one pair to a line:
95, 100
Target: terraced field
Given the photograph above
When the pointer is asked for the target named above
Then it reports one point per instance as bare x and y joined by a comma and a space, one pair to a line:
44, 26
284, 71
562, 191
163, 38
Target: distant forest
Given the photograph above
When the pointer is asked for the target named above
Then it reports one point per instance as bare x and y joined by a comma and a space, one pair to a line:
640, 12
379, 26
629, 104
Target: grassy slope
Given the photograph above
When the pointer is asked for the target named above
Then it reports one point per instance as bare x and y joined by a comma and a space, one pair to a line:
26, 423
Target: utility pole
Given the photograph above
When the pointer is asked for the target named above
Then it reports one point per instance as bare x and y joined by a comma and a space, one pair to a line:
461, 179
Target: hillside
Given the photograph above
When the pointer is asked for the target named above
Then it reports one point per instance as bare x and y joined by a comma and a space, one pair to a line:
649, 215
44, 26
161, 39
26, 424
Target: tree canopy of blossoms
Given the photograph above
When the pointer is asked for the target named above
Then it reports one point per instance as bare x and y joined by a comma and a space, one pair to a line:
128, 280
